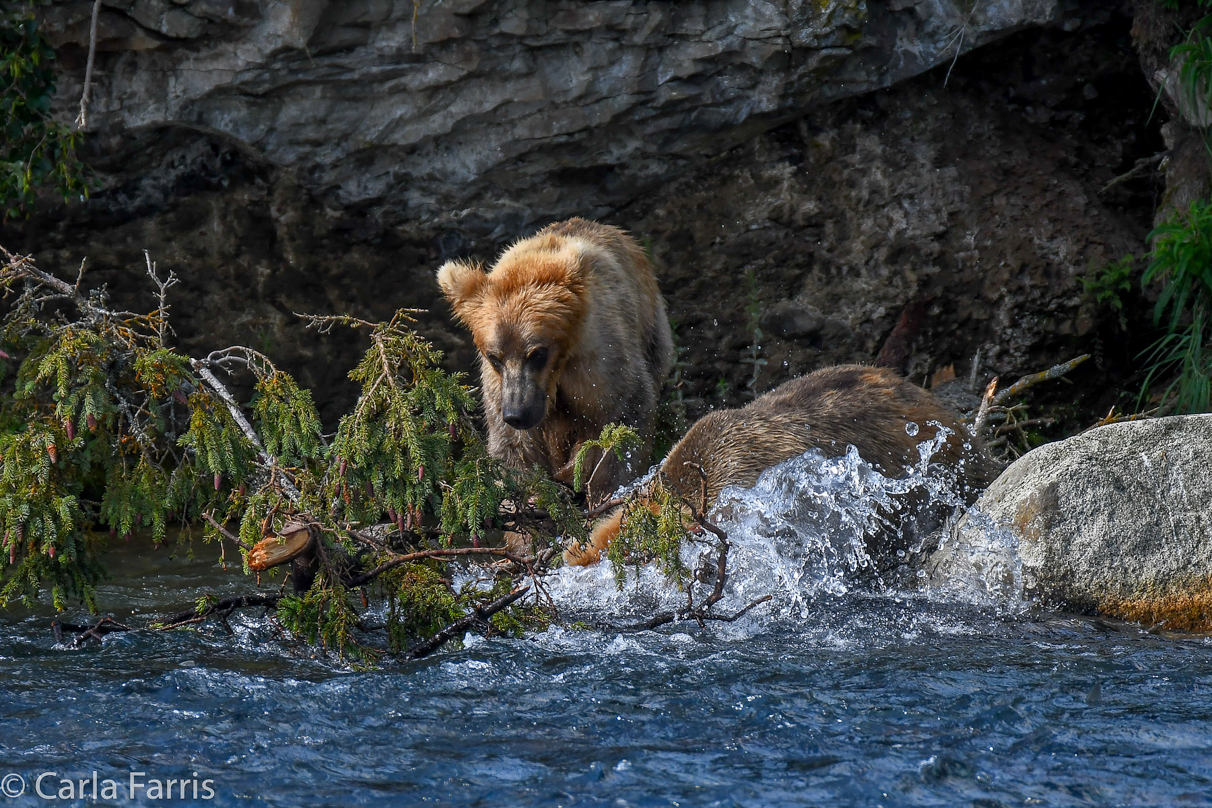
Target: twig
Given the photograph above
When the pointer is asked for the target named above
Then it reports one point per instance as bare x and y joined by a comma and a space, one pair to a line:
668, 617
1053, 372
22, 266
982, 414
1136, 169
960, 47
1112, 418
263, 457
226, 605
479, 614
86, 94
1020, 425
603, 507
323, 323
976, 364
209, 517
103, 626
162, 287
702, 612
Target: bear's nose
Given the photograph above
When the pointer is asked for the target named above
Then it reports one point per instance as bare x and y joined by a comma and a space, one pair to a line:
522, 417
516, 418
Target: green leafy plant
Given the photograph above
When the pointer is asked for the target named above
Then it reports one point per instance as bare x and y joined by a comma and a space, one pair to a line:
617, 439
1181, 262
35, 149
654, 528
1174, 5
1194, 59
1106, 286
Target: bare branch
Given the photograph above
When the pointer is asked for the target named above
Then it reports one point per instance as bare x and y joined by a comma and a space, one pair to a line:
103, 626
982, 414
223, 607
266, 461
976, 365
86, 94
162, 287
227, 534
1054, 372
1138, 168
668, 617
323, 323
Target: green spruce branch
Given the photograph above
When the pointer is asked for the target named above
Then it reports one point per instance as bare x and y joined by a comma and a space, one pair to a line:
101, 404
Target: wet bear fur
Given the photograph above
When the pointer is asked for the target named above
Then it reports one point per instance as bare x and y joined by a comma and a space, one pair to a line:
830, 410
572, 335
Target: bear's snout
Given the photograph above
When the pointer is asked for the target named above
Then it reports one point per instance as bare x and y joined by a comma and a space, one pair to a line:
524, 417
523, 399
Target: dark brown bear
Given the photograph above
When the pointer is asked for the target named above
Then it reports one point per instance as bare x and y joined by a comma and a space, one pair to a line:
848, 405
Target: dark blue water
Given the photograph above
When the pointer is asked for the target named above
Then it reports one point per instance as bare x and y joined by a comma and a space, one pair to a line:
869, 701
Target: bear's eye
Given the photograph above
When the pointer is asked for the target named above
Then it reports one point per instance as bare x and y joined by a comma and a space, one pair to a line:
538, 357
495, 361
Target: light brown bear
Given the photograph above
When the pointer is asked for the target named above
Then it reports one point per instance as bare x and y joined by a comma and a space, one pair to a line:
572, 335
829, 410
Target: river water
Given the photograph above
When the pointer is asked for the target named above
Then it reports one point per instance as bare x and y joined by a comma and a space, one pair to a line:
841, 691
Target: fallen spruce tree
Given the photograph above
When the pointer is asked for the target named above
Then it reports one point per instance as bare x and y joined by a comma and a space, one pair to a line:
105, 430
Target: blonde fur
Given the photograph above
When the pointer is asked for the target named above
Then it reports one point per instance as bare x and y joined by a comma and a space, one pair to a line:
586, 292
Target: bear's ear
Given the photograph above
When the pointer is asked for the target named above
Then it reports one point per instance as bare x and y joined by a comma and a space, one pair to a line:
569, 271
461, 283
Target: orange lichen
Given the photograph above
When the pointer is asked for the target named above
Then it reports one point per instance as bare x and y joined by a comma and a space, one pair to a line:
1187, 610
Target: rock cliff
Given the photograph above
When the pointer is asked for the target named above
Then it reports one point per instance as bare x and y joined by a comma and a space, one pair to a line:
820, 181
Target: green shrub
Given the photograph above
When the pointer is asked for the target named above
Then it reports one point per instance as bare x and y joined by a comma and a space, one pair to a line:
1106, 285
1181, 262
108, 427
35, 150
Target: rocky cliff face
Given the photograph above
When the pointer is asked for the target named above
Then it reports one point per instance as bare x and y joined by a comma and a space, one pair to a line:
835, 174
496, 115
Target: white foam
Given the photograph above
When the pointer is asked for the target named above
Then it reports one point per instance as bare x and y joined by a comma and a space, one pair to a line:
799, 535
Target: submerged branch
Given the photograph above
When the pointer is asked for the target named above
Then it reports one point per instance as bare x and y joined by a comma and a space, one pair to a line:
479, 614
224, 608
665, 618
103, 626
702, 612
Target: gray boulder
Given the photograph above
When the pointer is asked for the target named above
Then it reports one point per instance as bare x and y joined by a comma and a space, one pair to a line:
1116, 521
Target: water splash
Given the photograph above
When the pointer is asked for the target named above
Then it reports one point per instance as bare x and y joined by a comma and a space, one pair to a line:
812, 529
978, 562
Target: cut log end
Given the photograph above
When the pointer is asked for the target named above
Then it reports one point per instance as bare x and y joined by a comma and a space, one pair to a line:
281, 549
